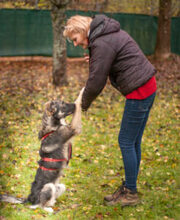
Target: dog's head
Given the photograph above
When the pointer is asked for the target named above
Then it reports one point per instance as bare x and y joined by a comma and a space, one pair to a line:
59, 109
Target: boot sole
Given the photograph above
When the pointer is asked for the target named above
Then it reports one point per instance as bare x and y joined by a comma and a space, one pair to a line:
122, 204
130, 204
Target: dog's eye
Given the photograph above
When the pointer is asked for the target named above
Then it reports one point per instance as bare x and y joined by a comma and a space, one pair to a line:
53, 107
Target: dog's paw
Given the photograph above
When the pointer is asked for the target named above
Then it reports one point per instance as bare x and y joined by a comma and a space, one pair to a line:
48, 209
63, 188
78, 130
60, 189
33, 206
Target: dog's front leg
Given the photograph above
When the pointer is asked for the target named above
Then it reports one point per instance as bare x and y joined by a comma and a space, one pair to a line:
76, 124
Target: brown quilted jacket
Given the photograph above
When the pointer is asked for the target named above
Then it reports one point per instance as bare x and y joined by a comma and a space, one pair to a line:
114, 55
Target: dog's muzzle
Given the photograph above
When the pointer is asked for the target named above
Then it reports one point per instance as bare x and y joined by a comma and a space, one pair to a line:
69, 109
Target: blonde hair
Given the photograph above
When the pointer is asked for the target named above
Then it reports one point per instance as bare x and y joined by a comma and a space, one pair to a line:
77, 24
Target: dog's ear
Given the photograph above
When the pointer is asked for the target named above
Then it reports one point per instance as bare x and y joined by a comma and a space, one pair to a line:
47, 108
50, 108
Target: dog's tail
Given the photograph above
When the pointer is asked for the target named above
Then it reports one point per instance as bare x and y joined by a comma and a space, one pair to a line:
12, 199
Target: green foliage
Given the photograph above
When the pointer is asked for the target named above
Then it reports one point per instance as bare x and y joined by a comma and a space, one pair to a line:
28, 4
125, 6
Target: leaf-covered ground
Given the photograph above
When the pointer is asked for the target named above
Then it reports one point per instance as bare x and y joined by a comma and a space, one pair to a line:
96, 168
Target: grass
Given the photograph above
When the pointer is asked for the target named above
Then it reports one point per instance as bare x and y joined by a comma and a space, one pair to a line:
96, 168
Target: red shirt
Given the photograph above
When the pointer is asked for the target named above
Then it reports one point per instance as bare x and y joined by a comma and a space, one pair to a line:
144, 91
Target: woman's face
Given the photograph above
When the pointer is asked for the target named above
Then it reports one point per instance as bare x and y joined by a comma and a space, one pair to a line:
79, 40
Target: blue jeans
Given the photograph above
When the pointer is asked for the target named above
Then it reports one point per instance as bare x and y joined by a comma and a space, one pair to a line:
134, 120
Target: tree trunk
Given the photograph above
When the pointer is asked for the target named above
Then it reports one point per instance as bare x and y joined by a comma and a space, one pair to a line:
101, 6
59, 46
163, 42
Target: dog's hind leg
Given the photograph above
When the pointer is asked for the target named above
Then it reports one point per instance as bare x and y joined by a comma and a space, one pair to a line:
47, 209
34, 206
60, 189
47, 195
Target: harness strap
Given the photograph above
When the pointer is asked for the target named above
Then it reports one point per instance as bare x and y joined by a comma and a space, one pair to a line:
69, 152
47, 159
53, 160
44, 168
45, 136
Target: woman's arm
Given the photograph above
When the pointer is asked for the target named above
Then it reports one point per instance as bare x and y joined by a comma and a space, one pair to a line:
101, 59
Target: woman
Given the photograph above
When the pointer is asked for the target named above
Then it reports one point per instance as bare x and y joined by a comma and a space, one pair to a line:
114, 54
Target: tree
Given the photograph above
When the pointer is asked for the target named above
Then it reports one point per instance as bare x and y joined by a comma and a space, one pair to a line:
163, 43
101, 6
59, 48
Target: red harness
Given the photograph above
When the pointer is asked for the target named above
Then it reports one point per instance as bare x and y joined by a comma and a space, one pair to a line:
47, 159
45, 136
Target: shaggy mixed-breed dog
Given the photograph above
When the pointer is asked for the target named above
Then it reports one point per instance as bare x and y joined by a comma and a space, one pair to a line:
55, 153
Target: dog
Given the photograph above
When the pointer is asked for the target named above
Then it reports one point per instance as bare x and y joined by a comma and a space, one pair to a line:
55, 153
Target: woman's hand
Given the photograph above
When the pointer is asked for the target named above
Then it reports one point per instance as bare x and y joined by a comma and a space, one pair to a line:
86, 58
